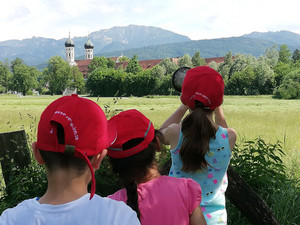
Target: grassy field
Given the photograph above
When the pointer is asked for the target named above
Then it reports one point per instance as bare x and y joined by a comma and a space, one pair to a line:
251, 116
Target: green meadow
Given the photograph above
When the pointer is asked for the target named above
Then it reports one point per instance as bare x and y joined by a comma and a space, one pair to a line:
252, 116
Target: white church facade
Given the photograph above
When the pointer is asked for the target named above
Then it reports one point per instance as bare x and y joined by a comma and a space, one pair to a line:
70, 52
70, 55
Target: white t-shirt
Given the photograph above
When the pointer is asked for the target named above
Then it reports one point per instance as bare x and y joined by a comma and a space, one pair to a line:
82, 211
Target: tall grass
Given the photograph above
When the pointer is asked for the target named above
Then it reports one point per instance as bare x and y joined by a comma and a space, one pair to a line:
252, 116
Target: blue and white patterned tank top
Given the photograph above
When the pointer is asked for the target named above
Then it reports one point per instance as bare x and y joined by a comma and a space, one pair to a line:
213, 180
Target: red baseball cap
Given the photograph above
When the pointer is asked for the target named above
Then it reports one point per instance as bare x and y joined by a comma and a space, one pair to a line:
203, 84
85, 129
126, 126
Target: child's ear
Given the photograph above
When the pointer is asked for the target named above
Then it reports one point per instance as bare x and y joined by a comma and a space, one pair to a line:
37, 154
157, 144
96, 161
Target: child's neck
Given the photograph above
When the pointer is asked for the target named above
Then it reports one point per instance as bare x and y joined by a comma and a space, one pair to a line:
64, 187
152, 173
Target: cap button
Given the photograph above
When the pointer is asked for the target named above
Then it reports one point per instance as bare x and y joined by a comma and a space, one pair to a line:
74, 95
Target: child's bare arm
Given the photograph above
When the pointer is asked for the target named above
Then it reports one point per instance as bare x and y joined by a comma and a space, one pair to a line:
220, 120
175, 117
220, 117
197, 217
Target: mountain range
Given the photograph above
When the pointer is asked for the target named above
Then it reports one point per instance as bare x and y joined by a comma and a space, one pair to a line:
147, 42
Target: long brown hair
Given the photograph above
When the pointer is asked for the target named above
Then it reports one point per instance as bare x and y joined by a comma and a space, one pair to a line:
197, 130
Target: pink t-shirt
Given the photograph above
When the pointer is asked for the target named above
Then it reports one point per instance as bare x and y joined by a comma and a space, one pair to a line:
165, 200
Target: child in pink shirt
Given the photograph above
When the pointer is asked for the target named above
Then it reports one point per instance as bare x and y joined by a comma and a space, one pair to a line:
156, 199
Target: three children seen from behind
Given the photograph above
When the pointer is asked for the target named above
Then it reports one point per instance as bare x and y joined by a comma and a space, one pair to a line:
72, 141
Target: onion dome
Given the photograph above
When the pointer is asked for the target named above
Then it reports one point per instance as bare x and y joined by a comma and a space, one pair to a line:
69, 42
89, 45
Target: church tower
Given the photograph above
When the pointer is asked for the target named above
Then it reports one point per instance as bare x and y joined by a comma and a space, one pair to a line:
89, 46
70, 53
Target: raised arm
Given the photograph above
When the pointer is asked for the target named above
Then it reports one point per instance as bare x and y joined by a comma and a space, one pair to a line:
175, 117
220, 117
170, 129
220, 120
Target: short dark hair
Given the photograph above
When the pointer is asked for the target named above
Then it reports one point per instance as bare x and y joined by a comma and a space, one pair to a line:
58, 160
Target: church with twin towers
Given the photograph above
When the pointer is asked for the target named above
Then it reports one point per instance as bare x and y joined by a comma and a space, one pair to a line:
70, 52
89, 55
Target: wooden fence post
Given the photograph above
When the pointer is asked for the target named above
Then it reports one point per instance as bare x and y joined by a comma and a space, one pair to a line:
242, 196
13, 149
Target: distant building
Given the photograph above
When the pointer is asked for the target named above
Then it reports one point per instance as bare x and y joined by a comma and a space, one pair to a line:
218, 60
89, 55
70, 55
89, 46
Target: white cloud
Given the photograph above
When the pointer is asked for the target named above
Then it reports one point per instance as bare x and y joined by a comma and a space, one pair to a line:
20, 12
198, 19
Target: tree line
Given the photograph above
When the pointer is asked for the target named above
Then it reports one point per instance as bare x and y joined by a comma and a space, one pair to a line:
277, 73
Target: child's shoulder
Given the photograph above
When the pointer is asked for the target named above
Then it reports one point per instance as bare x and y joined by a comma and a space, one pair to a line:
120, 195
187, 182
173, 129
228, 133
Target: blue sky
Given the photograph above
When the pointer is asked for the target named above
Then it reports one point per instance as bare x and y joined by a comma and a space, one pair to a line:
197, 19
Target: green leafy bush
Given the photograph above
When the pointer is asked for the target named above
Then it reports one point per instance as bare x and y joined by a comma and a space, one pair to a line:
107, 82
261, 166
259, 163
24, 184
290, 87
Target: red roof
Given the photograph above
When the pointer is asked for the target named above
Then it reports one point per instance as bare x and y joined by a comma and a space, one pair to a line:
146, 64
83, 66
114, 58
215, 59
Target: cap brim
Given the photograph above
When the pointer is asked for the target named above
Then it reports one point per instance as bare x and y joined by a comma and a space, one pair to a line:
112, 132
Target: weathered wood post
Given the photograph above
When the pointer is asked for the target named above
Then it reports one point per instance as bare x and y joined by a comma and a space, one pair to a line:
13, 149
242, 196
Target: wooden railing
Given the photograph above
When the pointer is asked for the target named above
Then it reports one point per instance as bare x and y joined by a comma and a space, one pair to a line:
13, 150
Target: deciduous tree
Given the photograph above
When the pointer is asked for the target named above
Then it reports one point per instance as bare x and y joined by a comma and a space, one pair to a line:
185, 60
106, 82
98, 62
170, 67
296, 55
271, 56
5, 77
158, 71
133, 66
58, 75
224, 68
284, 54
78, 80
242, 83
24, 77
290, 87
197, 60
